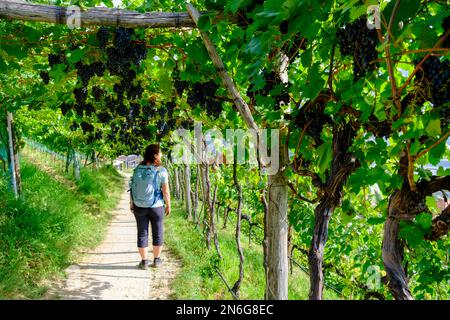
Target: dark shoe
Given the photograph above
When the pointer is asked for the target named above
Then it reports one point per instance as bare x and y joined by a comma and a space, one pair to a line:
143, 265
157, 262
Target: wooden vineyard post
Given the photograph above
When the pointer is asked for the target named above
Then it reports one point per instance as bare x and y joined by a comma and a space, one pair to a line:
181, 177
68, 159
76, 165
277, 231
195, 200
187, 191
16, 158
177, 183
11, 153
206, 203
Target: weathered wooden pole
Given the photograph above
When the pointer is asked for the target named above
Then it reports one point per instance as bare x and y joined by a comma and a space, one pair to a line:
11, 153
93, 16
277, 230
187, 191
68, 159
76, 165
177, 183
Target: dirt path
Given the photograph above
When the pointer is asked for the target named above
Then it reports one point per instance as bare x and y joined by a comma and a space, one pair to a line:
110, 271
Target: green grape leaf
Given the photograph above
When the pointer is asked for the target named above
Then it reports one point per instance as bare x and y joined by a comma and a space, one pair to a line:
233, 5
325, 155
165, 83
435, 154
57, 73
75, 56
412, 234
431, 204
433, 128
424, 220
374, 221
3, 65
204, 22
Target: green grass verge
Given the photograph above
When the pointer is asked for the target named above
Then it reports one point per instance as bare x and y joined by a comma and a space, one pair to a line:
41, 233
198, 278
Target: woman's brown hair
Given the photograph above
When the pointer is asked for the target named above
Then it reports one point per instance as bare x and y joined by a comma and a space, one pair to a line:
150, 153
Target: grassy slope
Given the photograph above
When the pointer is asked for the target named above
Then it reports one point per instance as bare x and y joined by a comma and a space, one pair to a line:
198, 280
41, 233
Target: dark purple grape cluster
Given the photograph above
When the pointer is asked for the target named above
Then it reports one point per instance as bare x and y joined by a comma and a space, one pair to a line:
138, 53
124, 55
149, 111
87, 71
135, 91
170, 106
125, 52
284, 26
180, 85
162, 112
86, 127
204, 95
97, 93
88, 109
45, 77
122, 39
135, 110
357, 40
119, 88
74, 126
65, 107
380, 129
98, 68
104, 117
79, 110
434, 80
166, 124
121, 109
80, 95
445, 117
91, 137
274, 88
163, 128
84, 73
102, 37
54, 59
187, 124
312, 115
171, 123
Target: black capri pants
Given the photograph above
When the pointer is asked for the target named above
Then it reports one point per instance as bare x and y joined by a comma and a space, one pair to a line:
143, 217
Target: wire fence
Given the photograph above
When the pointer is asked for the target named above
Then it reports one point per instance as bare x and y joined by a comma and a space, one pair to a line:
51, 154
258, 240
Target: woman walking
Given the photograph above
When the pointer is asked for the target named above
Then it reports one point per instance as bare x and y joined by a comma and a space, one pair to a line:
149, 200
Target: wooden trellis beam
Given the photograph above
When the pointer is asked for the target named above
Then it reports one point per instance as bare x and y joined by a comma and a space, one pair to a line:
94, 16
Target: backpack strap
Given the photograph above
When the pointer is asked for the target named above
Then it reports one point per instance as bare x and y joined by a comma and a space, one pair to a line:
154, 184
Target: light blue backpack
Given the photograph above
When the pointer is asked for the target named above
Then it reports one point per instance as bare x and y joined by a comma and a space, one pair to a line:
144, 186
